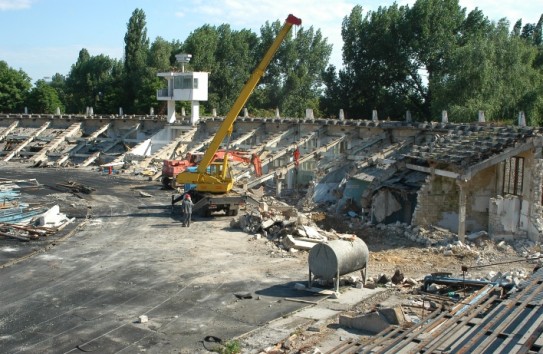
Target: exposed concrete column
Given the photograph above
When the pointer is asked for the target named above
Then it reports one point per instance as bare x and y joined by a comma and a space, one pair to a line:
291, 177
408, 116
183, 112
278, 187
309, 113
462, 201
521, 119
374, 116
481, 117
195, 112
277, 113
214, 112
171, 112
341, 114
245, 112
444, 117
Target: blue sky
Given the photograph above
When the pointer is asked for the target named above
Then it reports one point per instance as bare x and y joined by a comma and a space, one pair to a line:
44, 37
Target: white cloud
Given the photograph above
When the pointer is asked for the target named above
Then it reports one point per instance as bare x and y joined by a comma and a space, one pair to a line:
6, 5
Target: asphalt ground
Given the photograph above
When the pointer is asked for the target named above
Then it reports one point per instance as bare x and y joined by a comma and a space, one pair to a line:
83, 289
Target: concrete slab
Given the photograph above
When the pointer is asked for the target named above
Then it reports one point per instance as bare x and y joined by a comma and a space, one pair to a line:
316, 313
133, 258
351, 297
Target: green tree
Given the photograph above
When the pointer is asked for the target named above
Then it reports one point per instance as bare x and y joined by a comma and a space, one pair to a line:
14, 88
494, 73
380, 72
294, 78
94, 82
228, 55
43, 98
159, 59
58, 83
135, 60
433, 33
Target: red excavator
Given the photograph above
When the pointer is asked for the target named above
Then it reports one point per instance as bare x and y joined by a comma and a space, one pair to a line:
171, 168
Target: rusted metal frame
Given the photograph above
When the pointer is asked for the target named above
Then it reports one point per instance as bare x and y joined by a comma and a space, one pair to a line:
458, 326
522, 330
473, 303
439, 320
488, 316
413, 332
504, 318
344, 348
381, 337
531, 340
461, 306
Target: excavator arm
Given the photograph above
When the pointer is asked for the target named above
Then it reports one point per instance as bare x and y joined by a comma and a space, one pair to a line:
215, 177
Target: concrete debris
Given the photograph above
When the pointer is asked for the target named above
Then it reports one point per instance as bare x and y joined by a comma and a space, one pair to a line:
286, 227
373, 322
24, 223
398, 277
290, 242
52, 218
76, 187
145, 194
243, 295
143, 319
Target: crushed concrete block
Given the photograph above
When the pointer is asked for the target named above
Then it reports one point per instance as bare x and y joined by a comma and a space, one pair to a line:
312, 232
52, 217
266, 224
291, 242
287, 223
398, 277
289, 342
383, 279
302, 219
263, 206
393, 315
476, 235
143, 319
372, 322
370, 285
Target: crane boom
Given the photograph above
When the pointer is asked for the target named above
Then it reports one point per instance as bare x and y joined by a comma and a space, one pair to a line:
216, 180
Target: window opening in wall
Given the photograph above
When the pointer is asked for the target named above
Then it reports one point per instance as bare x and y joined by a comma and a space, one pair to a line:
513, 175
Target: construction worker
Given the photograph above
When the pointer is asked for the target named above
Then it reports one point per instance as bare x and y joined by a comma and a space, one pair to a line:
187, 209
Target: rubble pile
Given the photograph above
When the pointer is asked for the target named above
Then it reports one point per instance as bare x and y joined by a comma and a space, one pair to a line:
286, 227
24, 232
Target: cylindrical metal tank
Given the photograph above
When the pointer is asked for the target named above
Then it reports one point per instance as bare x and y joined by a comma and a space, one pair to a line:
326, 260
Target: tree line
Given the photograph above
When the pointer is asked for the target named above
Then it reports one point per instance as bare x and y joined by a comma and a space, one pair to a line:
425, 58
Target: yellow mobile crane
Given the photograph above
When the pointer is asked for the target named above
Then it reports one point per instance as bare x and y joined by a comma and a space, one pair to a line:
215, 177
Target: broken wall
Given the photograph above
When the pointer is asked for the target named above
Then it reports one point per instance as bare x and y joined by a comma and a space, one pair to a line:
535, 225
519, 215
438, 201
393, 205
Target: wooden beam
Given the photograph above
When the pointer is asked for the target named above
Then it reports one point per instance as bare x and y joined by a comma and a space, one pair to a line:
431, 170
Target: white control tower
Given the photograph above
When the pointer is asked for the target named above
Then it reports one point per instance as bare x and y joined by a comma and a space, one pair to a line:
184, 86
